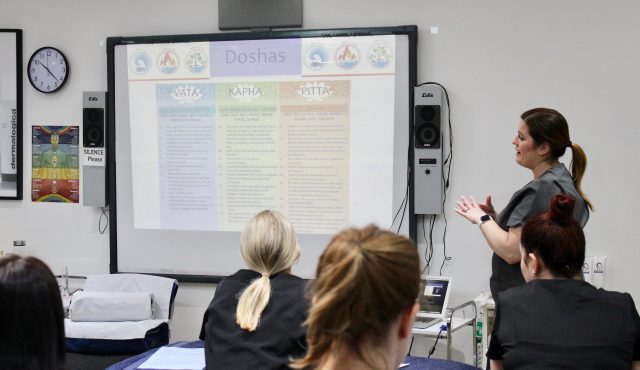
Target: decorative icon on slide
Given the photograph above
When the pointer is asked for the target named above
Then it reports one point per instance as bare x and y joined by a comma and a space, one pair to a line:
347, 56
186, 94
168, 61
196, 60
379, 56
140, 62
314, 91
245, 93
316, 57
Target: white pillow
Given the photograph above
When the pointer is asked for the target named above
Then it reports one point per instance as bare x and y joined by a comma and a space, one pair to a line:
107, 306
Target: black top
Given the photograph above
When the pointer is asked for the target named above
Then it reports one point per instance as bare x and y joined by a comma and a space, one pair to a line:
565, 324
532, 199
278, 337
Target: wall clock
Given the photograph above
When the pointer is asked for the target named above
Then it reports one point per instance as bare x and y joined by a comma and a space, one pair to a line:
48, 69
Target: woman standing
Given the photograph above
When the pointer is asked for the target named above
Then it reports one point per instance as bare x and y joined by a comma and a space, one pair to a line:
543, 137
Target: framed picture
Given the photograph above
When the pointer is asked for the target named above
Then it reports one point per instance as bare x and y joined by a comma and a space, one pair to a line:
10, 114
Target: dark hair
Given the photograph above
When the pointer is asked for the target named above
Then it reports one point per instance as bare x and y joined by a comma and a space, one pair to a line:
32, 329
556, 238
549, 126
365, 279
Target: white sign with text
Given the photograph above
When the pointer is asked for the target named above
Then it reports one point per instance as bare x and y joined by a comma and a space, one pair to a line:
93, 157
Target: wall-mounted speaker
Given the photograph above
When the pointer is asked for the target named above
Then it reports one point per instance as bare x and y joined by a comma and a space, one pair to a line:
427, 154
93, 127
94, 158
427, 126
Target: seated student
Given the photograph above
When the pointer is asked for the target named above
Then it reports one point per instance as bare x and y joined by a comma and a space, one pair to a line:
32, 329
255, 318
557, 320
364, 302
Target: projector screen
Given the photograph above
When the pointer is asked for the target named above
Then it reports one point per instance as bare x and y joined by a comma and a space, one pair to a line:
204, 131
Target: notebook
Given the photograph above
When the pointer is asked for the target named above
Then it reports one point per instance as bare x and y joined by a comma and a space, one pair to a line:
433, 300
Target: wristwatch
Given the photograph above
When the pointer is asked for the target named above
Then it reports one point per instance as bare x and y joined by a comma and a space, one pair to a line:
484, 219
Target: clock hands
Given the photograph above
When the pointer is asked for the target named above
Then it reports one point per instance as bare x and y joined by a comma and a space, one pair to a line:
43, 66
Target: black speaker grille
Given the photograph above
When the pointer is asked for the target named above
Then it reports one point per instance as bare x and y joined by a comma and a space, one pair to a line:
93, 127
427, 126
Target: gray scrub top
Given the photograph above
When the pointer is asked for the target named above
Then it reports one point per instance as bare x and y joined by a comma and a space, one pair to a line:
532, 199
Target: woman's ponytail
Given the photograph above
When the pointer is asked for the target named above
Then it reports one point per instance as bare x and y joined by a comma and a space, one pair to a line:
268, 245
578, 167
253, 301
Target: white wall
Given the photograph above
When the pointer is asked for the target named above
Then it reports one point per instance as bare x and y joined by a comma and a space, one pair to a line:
496, 58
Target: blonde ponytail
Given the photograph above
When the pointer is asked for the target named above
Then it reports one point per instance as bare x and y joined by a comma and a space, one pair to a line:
253, 301
268, 245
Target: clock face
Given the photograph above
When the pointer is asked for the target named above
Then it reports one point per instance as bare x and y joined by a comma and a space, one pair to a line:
48, 69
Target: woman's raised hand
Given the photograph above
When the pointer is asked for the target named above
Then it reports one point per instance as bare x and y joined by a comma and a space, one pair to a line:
488, 207
470, 209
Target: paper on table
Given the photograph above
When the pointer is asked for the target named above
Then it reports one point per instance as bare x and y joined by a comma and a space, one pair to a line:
176, 358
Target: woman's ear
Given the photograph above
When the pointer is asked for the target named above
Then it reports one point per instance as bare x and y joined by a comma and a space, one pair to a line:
543, 149
534, 264
406, 321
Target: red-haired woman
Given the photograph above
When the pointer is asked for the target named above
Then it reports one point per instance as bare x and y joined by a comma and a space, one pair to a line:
556, 320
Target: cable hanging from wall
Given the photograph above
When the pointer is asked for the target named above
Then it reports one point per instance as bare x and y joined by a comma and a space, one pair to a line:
104, 215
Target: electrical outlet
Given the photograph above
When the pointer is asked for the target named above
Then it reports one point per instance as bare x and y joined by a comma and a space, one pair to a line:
599, 270
587, 269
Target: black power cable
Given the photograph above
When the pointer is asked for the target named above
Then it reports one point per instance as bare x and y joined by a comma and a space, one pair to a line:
443, 327
106, 217
405, 200
410, 346
428, 252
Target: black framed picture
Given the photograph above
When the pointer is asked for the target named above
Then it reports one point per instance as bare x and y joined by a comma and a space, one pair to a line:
10, 114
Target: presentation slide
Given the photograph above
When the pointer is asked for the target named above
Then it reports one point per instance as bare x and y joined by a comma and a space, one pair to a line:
210, 133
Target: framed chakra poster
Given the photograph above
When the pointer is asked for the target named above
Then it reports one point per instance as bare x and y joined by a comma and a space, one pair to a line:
55, 169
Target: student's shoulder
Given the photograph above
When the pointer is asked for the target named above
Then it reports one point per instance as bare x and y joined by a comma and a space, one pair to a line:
290, 280
517, 295
239, 278
514, 292
615, 298
289, 285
